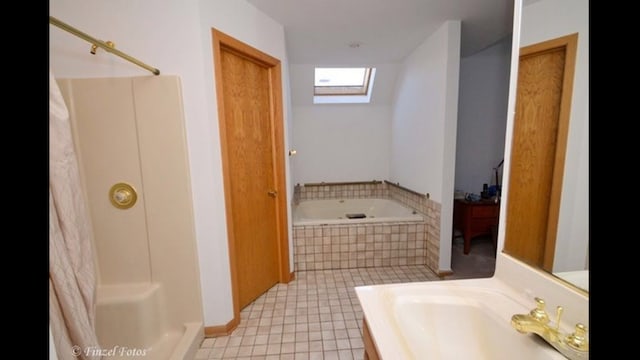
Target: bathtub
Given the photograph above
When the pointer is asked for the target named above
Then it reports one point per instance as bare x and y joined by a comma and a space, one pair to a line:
356, 233
337, 211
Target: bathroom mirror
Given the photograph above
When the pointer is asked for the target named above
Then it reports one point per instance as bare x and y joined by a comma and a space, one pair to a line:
567, 222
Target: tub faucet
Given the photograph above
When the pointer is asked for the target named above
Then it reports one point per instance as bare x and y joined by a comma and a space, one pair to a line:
574, 346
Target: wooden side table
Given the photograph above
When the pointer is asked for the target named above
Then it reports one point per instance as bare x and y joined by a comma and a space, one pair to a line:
475, 218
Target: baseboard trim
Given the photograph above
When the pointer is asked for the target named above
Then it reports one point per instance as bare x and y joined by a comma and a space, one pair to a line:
221, 330
224, 330
443, 273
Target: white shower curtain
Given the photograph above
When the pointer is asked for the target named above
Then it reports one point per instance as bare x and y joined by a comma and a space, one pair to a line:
72, 280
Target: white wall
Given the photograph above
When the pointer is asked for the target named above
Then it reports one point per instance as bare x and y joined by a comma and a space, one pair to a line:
341, 142
423, 130
175, 36
346, 142
544, 20
482, 116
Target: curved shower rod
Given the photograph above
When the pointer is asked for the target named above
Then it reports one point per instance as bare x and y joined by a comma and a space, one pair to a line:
108, 46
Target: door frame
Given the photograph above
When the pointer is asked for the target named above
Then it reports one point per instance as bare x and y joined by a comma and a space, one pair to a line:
570, 45
222, 41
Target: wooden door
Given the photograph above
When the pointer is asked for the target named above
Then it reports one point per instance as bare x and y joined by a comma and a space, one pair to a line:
250, 117
543, 102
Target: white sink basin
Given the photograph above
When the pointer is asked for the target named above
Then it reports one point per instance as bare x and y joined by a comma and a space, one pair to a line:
462, 319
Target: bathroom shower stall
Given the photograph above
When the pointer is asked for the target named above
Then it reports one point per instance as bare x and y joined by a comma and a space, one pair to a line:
130, 142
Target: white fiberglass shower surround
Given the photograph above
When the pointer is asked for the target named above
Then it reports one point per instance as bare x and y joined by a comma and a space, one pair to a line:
129, 135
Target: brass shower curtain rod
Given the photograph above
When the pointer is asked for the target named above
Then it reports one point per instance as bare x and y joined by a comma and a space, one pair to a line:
108, 46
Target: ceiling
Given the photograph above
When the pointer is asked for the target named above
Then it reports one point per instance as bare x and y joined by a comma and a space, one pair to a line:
320, 31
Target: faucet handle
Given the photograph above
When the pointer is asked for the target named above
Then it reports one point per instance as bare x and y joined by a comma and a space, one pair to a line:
578, 340
539, 313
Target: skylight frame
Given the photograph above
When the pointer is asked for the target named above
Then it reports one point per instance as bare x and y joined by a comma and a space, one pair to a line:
331, 90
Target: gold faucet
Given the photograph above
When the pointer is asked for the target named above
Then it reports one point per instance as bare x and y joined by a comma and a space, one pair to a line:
574, 346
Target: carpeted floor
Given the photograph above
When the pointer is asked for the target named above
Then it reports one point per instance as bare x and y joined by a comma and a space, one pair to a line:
479, 263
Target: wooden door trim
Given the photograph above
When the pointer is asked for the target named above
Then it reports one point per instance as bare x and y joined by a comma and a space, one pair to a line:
222, 41
570, 45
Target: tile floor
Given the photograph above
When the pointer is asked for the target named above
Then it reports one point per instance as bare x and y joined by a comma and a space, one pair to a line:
316, 316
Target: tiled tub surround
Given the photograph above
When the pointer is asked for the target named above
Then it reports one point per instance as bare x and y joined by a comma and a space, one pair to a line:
368, 245
372, 189
352, 211
324, 247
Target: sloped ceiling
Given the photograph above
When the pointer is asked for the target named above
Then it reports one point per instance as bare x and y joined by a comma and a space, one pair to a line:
319, 32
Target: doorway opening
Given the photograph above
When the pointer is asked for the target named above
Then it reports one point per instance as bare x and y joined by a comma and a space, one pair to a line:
249, 98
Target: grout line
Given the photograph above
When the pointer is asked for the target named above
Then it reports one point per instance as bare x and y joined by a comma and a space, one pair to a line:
318, 314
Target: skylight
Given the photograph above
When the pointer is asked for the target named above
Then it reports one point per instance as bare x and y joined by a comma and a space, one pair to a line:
343, 85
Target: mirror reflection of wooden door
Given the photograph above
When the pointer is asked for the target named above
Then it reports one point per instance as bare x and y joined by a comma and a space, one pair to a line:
249, 101
543, 104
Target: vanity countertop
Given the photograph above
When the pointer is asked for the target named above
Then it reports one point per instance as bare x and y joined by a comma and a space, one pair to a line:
578, 278
452, 319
